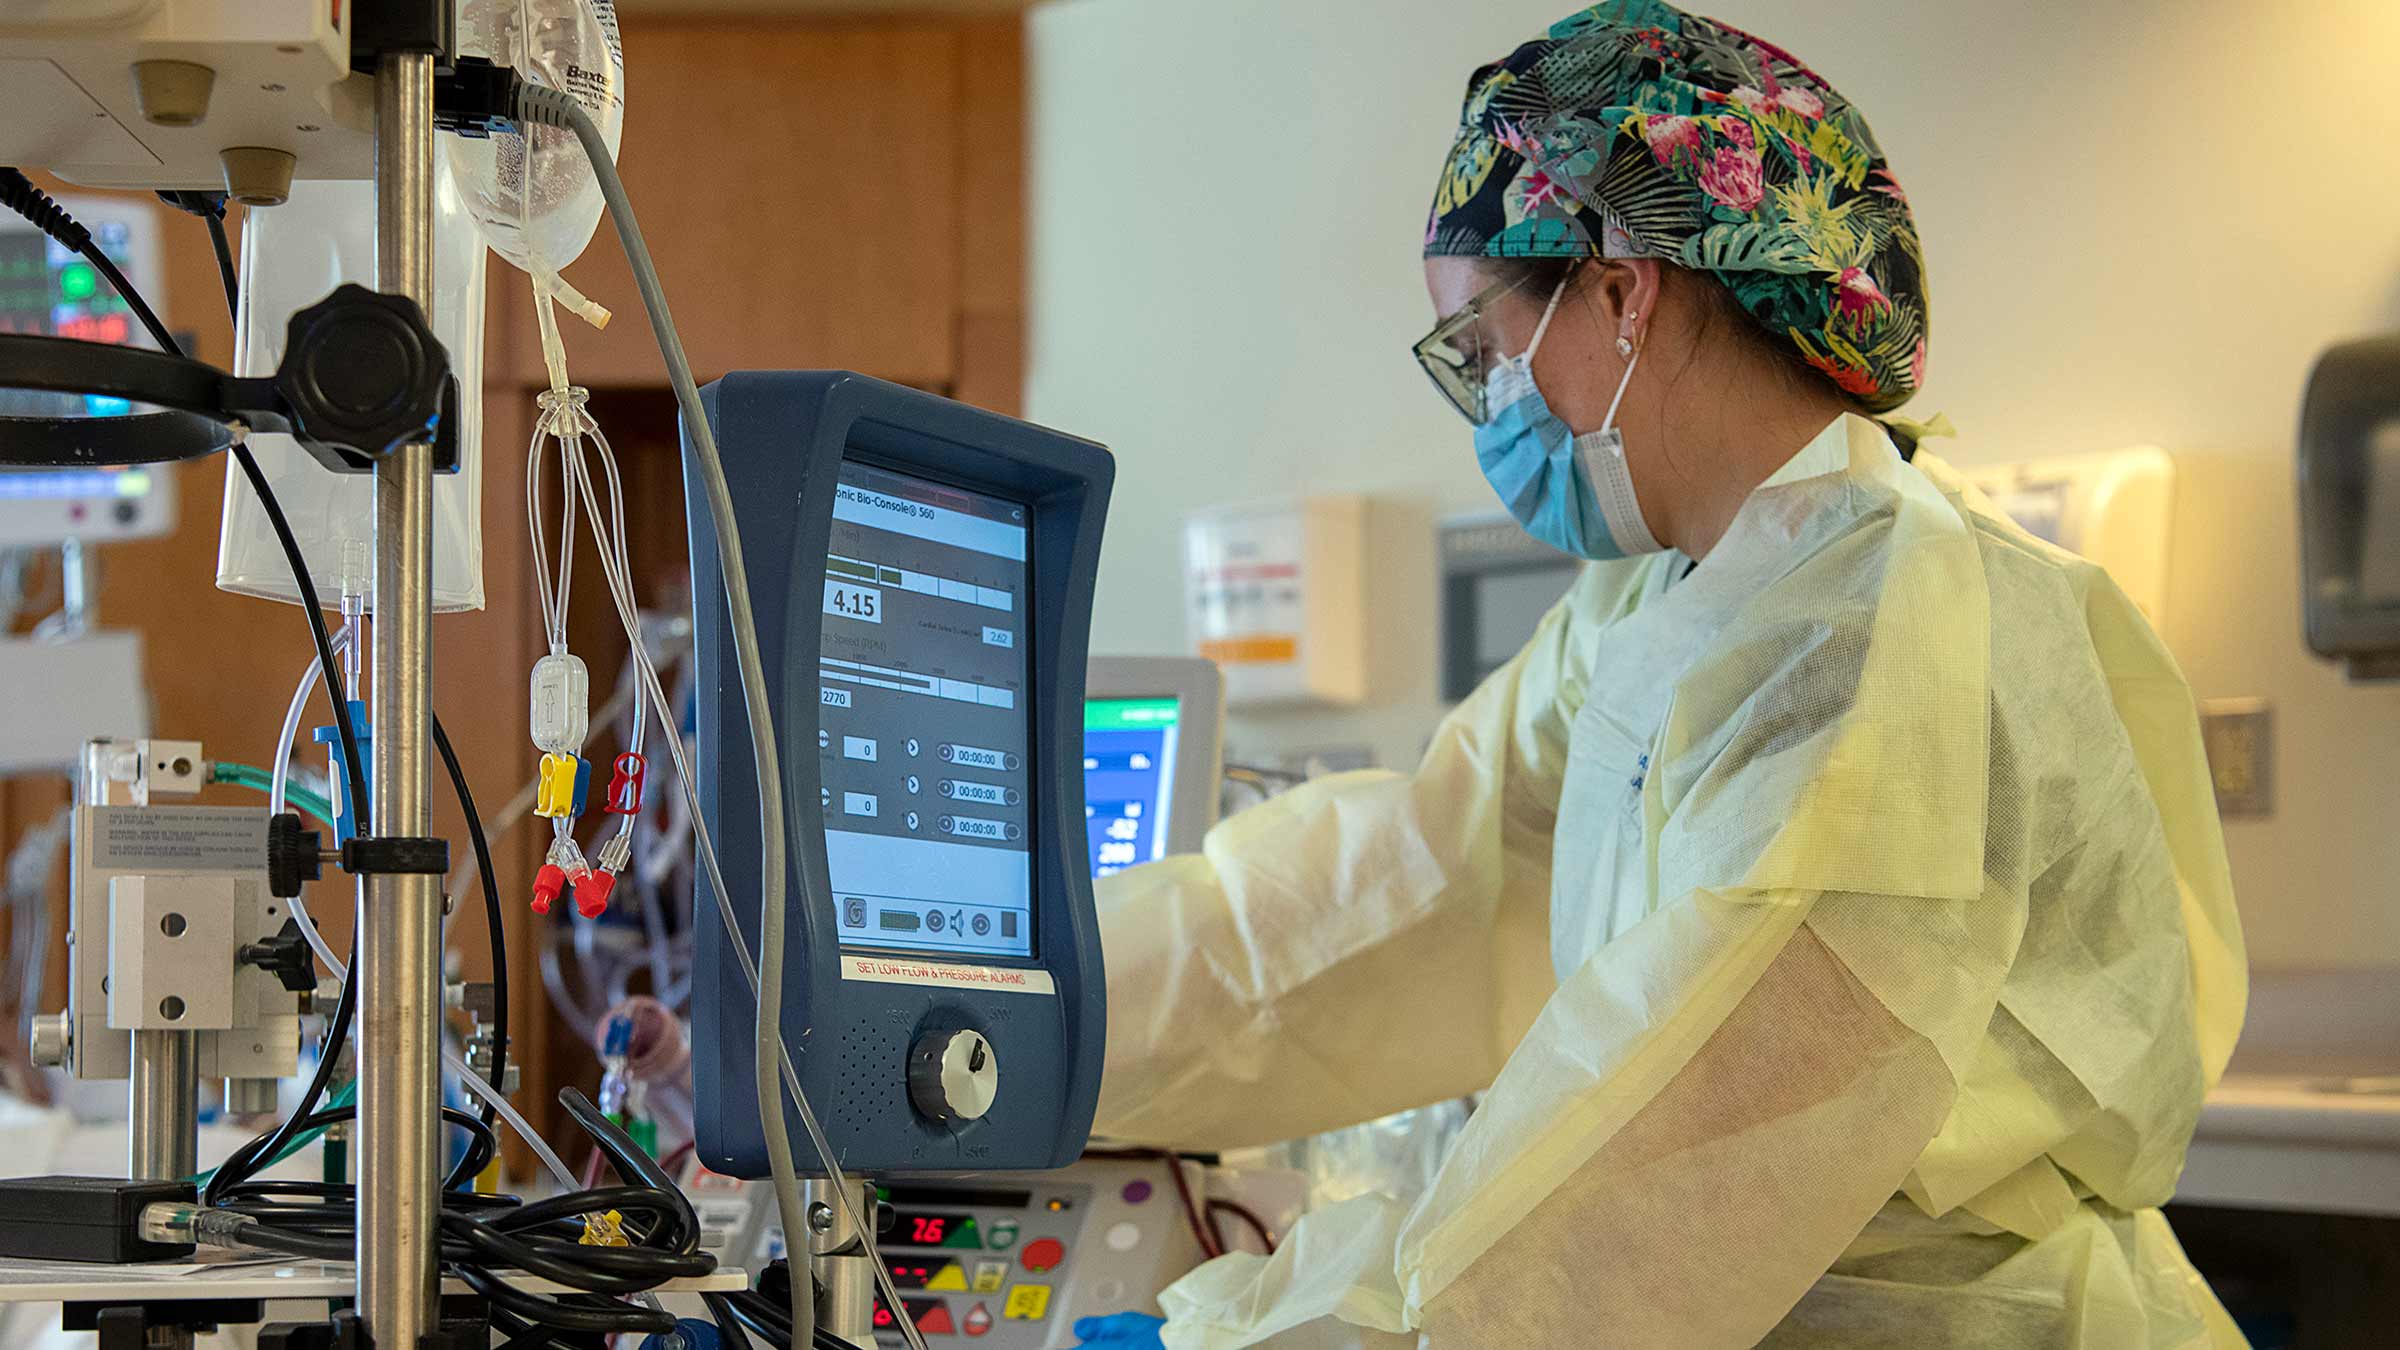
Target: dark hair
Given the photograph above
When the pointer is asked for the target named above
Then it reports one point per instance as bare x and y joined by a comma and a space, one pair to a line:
1719, 305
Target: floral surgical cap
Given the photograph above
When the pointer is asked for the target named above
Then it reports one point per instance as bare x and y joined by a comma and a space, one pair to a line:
1633, 130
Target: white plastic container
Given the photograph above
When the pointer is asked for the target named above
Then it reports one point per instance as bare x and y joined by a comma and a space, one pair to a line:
292, 256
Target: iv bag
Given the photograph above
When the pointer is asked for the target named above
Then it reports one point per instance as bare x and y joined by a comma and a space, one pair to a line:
537, 199
293, 255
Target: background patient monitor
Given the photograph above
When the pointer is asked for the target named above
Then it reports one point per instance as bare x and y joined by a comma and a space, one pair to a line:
1153, 757
46, 290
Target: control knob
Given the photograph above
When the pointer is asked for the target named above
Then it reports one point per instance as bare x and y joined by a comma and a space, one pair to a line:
53, 1039
953, 1076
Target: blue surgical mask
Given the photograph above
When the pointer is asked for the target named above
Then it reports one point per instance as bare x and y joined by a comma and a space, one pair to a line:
1572, 492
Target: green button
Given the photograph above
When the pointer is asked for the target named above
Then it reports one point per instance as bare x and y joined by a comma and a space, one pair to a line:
77, 281
1002, 1235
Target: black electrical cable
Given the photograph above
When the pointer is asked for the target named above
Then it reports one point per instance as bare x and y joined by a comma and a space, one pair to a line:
729, 1322
224, 252
482, 1236
632, 1163
545, 1237
760, 1314
497, 930
560, 1314
476, 1246
353, 764
248, 1159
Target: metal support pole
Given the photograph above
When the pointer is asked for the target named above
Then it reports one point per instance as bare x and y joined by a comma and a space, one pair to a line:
165, 1115
837, 1256
399, 946
163, 1126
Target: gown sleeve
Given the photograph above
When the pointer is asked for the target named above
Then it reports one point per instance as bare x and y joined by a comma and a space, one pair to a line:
1275, 984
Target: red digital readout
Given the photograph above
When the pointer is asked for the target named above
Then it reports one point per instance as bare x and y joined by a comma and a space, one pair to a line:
928, 1230
929, 1315
95, 327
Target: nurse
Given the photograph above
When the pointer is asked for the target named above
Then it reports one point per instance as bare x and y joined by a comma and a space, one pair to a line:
1829, 902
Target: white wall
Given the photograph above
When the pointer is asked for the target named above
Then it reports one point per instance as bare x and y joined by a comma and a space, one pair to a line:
2143, 217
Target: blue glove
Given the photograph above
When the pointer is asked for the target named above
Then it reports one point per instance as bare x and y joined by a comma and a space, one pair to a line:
1124, 1331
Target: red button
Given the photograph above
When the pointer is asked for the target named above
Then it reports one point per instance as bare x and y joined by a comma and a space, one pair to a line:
979, 1320
936, 1321
1043, 1254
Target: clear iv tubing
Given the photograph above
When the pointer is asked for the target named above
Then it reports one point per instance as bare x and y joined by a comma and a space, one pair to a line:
347, 639
472, 1080
620, 589
565, 417
280, 766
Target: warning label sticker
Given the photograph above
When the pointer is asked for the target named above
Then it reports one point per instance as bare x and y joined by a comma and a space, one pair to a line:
901, 970
178, 839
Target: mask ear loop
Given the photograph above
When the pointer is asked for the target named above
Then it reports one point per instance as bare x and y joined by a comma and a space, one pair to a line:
1633, 357
1549, 313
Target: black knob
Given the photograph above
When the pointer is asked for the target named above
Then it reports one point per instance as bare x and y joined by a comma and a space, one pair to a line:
294, 855
363, 371
953, 1075
285, 956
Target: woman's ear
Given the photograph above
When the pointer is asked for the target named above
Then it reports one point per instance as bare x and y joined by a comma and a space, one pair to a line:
1626, 292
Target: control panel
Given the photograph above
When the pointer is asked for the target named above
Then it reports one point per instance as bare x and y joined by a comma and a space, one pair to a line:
1010, 1263
987, 1264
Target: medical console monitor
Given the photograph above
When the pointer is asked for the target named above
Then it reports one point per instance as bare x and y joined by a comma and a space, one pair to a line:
921, 572
1152, 757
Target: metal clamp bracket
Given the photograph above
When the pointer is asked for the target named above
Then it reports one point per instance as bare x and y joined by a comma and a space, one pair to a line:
362, 374
396, 855
296, 856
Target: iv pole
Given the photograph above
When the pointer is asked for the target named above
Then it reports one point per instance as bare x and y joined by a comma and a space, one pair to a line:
399, 920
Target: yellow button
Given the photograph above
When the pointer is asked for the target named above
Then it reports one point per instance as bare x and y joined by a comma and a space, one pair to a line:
1027, 1303
951, 1280
989, 1276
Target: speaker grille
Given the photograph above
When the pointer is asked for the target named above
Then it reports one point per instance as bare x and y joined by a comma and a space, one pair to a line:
874, 1079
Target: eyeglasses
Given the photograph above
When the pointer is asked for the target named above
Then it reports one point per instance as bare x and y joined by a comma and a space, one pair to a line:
1453, 353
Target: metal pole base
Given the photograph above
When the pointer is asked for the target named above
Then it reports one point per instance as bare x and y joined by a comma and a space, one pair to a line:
839, 1257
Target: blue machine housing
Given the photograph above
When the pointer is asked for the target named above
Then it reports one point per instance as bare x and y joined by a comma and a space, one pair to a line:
783, 437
